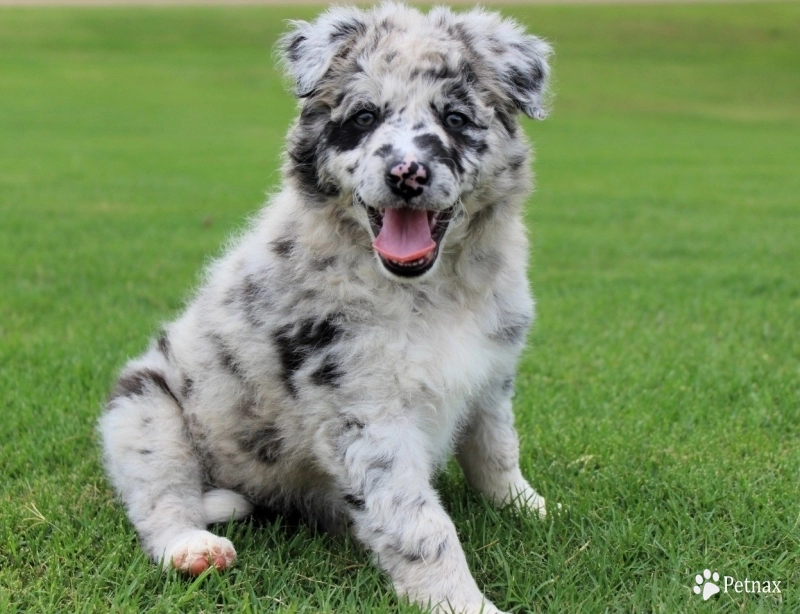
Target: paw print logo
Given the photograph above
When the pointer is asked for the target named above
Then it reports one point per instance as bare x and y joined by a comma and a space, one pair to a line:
709, 588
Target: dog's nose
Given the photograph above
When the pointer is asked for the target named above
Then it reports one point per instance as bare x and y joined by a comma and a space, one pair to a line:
408, 178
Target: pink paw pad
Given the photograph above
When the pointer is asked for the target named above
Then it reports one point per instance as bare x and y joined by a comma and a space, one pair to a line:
195, 553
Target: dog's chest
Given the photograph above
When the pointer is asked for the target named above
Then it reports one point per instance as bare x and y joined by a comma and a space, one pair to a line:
432, 361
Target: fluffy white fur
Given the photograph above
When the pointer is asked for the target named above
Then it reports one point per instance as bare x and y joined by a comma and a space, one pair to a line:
308, 373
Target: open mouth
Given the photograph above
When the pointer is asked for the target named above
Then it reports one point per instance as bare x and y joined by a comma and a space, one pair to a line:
407, 240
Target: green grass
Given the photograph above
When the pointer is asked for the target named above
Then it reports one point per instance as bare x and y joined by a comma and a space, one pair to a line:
659, 401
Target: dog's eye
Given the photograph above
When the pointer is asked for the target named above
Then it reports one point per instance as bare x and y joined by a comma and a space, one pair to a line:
365, 119
455, 121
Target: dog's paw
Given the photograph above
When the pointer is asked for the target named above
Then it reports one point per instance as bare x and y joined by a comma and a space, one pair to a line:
537, 504
523, 497
533, 502
195, 551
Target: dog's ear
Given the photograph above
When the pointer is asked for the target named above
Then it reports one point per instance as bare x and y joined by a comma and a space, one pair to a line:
517, 61
308, 49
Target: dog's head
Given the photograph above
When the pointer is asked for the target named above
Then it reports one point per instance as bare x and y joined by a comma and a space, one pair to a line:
408, 122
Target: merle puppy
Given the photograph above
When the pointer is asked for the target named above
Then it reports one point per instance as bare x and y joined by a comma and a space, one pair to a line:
369, 323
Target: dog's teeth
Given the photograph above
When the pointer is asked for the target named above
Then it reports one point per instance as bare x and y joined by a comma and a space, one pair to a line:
413, 263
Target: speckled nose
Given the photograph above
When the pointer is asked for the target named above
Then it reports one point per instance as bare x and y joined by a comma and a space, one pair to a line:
408, 178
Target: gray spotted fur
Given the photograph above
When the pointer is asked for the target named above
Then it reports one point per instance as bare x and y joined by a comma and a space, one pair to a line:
305, 375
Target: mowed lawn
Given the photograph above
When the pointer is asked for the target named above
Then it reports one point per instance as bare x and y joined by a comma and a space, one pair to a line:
659, 400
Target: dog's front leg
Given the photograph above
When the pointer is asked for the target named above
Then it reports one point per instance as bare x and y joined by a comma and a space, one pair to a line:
489, 451
384, 472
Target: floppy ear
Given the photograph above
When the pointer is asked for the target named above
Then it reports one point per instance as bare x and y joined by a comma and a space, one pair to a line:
518, 61
308, 49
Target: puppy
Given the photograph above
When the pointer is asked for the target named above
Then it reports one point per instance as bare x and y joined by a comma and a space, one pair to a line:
369, 323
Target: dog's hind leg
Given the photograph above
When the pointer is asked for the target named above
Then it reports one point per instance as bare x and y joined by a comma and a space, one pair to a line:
151, 462
489, 451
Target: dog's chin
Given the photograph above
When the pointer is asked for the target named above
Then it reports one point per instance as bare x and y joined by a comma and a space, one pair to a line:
414, 266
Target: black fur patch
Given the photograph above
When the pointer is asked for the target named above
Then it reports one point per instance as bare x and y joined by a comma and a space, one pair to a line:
343, 435
137, 383
164, 345
304, 154
320, 264
436, 73
468, 141
441, 549
347, 135
306, 169
516, 163
461, 92
508, 385
133, 385
384, 151
377, 471
525, 82
507, 122
339, 99
409, 555
266, 443
293, 50
417, 554
347, 29
381, 464
512, 329
353, 423
437, 151
246, 408
229, 362
254, 296
328, 374
226, 357
188, 386
296, 342
283, 247
460, 32
355, 502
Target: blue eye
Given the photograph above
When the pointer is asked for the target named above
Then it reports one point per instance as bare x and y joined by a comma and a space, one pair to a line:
365, 119
455, 121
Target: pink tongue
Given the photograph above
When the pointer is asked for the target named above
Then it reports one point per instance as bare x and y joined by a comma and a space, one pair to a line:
405, 235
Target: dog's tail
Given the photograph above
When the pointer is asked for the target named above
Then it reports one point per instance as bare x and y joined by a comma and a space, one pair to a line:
221, 505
